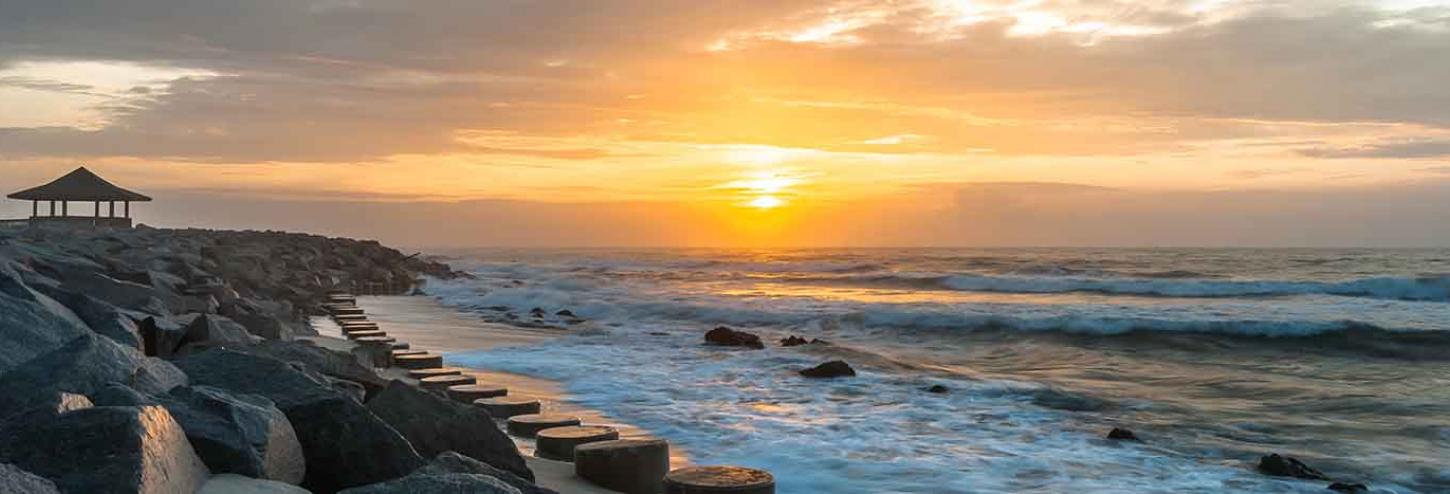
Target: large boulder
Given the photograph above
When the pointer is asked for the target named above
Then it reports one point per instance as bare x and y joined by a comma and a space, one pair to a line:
446, 483
106, 319
243, 434
345, 445
435, 425
230, 483
340, 365
266, 319
161, 336
33, 324
452, 462
215, 330
105, 450
116, 292
85, 365
13, 480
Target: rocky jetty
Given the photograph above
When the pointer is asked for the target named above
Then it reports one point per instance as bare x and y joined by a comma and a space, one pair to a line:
152, 360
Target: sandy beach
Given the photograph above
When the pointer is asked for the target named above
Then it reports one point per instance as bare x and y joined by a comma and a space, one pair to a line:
426, 324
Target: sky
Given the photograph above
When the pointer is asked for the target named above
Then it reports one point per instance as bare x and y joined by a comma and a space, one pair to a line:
747, 123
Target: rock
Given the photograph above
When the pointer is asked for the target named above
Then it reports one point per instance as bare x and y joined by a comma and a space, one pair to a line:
447, 483
348, 388
120, 395
230, 483
1348, 488
631, 466
1120, 434
103, 318
452, 462
107, 450
242, 434
434, 425
342, 365
34, 323
937, 389
13, 480
83, 366
1284, 466
537, 312
344, 444
834, 368
160, 337
216, 329
793, 340
719, 479
724, 336
565, 313
116, 292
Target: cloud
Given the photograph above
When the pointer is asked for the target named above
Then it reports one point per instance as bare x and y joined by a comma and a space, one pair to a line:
1426, 148
321, 80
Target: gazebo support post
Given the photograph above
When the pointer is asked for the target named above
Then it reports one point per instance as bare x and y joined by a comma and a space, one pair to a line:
34, 208
65, 208
112, 213
128, 209
52, 208
98, 209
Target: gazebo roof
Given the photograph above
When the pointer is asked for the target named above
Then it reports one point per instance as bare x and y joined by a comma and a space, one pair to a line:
79, 185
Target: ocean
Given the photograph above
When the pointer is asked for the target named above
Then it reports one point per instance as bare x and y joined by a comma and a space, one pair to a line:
1215, 357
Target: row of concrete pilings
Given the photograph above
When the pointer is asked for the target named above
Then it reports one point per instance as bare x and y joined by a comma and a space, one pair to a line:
631, 466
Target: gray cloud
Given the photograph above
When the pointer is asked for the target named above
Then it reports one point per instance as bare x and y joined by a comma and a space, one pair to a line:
325, 80
1428, 148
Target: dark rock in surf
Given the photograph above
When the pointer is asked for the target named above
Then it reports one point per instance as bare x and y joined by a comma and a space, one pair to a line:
793, 340
834, 368
937, 389
1348, 488
724, 336
1284, 466
1120, 434
436, 425
565, 313
538, 313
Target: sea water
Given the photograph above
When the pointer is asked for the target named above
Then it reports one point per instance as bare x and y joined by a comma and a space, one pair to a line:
1215, 357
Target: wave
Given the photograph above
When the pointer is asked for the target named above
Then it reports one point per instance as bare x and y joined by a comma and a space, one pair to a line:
1434, 288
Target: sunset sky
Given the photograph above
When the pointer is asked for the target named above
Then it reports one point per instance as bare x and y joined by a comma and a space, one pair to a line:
747, 123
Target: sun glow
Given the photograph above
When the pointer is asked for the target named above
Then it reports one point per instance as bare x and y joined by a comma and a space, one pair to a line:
766, 202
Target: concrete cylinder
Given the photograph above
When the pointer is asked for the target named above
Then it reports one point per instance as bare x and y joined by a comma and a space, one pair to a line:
631, 466
504, 407
419, 361
719, 479
386, 340
441, 371
399, 353
467, 393
558, 443
441, 383
529, 425
401, 345
359, 334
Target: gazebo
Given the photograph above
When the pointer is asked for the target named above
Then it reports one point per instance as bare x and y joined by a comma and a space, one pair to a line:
81, 186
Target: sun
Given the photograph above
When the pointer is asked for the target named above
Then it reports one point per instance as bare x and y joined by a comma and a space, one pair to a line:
766, 202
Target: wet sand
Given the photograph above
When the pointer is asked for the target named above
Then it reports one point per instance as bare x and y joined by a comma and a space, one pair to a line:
427, 324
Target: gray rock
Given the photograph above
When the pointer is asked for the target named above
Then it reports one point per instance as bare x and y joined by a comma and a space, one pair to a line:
161, 336
85, 365
33, 323
13, 480
116, 292
448, 483
120, 395
229, 483
345, 445
106, 319
452, 462
435, 425
216, 329
336, 364
106, 450
242, 434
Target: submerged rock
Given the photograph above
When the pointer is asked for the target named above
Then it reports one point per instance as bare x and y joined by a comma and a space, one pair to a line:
344, 444
937, 389
107, 450
1284, 466
1348, 488
436, 425
793, 340
1120, 434
242, 434
834, 368
724, 336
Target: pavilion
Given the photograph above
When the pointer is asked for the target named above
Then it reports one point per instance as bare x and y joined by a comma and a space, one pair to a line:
80, 186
